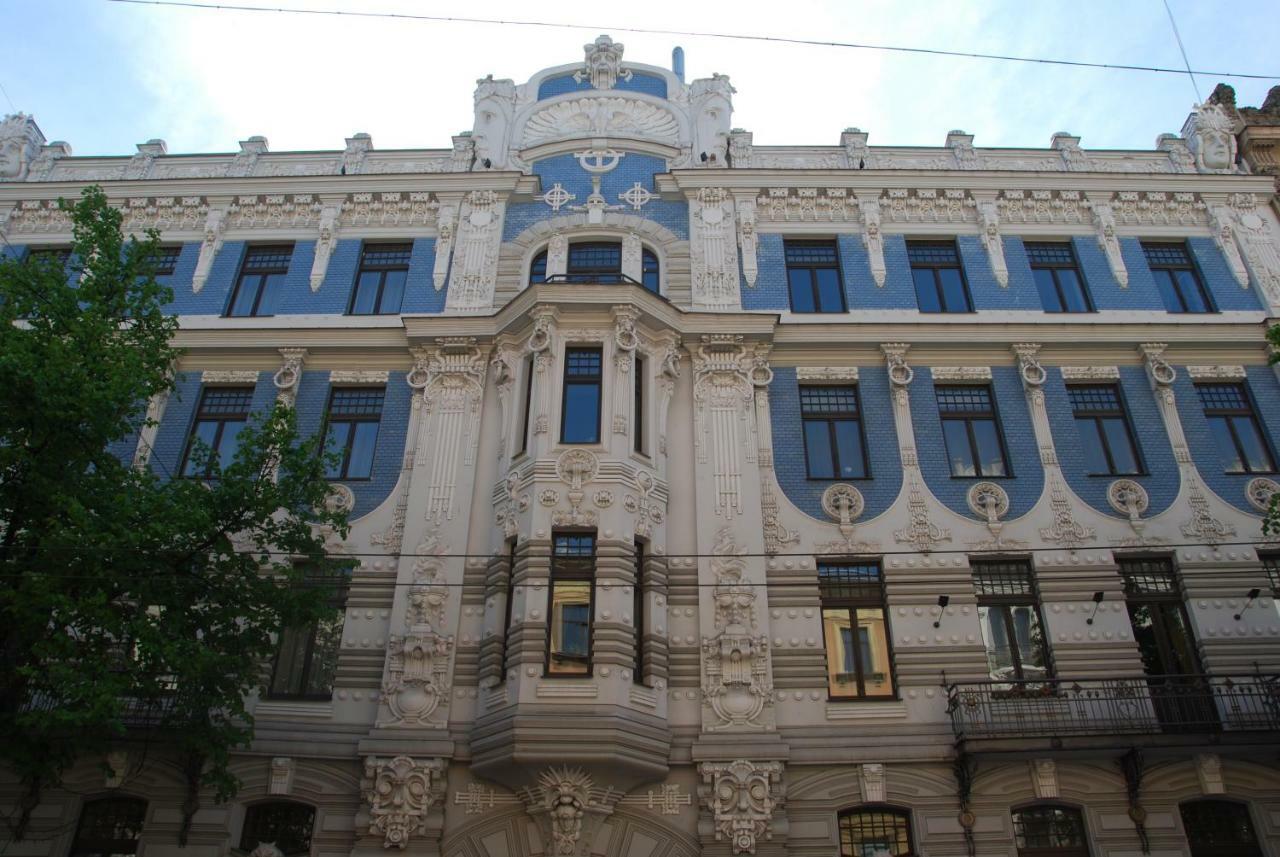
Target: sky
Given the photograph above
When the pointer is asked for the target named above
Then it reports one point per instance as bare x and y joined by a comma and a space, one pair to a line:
106, 76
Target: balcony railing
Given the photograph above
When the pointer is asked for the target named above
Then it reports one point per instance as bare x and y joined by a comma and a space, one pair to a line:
136, 713
1177, 707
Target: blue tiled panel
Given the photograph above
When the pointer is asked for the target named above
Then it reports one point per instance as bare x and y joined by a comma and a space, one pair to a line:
1218, 279
12, 251
649, 84
213, 298
1024, 487
861, 292
569, 173
340, 277
1142, 292
986, 291
1204, 452
296, 297
124, 447
899, 289
420, 293
1161, 480
878, 428
313, 398
175, 427
770, 290
1095, 270
180, 279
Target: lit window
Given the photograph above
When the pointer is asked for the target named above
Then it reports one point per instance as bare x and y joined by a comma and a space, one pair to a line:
1106, 437
109, 827
971, 431
855, 628
381, 279
832, 433
1050, 831
875, 832
938, 277
1176, 278
813, 276
1058, 277
261, 281
307, 657
582, 379
222, 413
1234, 425
352, 431
283, 823
572, 584
1009, 616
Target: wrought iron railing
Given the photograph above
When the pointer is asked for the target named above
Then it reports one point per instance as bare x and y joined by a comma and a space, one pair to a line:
1119, 706
597, 278
136, 712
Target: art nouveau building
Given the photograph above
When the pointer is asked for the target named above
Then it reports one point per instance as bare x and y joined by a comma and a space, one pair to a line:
722, 499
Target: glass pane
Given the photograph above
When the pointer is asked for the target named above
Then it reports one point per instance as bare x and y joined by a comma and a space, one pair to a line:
1168, 292
246, 293
1031, 642
817, 446
837, 635
1050, 827
1121, 446
336, 441
362, 446
570, 627
953, 293
1095, 459
366, 293
958, 451
830, 293
229, 443
1072, 290
849, 447
392, 292
1192, 294
875, 833
1048, 293
989, 454
995, 636
801, 284
581, 413
201, 443
272, 289
324, 654
1255, 450
1226, 444
926, 290
287, 678
877, 678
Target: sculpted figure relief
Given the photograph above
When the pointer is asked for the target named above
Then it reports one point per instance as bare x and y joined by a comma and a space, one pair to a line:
20, 142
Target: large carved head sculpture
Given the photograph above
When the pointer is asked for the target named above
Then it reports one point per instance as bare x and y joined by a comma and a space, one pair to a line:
20, 142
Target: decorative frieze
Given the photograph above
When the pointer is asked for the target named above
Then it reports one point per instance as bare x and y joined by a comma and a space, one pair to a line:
925, 205
229, 376
807, 205
826, 373
960, 374
1090, 373
1216, 373
1059, 207
742, 797
358, 376
274, 211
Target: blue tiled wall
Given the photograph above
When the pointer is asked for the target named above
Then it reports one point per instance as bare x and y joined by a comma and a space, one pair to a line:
175, 428
420, 293
1019, 294
1104, 289
878, 428
12, 251
1222, 284
649, 84
313, 398
770, 290
1161, 479
1266, 399
296, 297
861, 292
568, 172
1142, 292
180, 279
213, 298
1024, 487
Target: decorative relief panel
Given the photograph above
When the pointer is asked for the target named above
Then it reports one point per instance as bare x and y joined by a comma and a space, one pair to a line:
274, 211
807, 204
725, 375
475, 264
737, 688
742, 797
921, 205
416, 208
601, 116
1090, 373
713, 250
417, 679
1066, 207
568, 807
1257, 244
451, 378
399, 792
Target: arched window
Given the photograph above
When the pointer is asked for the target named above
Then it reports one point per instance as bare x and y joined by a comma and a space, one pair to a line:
285, 823
875, 831
649, 268
1050, 831
538, 269
109, 827
597, 262
1219, 828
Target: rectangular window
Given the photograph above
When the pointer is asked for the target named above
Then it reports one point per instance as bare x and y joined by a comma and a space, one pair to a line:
1236, 431
307, 658
1009, 616
833, 447
261, 281
1105, 434
1176, 278
573, 565
352, 430
939, 279
580, 421
1271, 565
222, 413
528, 403
165, 261
855, 630
637, 406
639, 592
1057, 276
972, 431
813, 276
381, 278
58, 256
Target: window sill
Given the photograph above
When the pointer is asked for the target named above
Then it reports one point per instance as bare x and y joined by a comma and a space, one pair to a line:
839, 478
288, 708
889, 708
567, 688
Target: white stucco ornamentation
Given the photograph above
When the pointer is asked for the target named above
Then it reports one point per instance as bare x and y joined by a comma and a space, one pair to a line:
1210, 137
20, 142
713, 250
326, 241
724, 415
737, 689
747, 239
576, 467
872, 237
601, 116
742, 797
1258, 245
1209, 773
1044, 778
452, 385
399, 792
289, 375
872, 775
281, 775
475, 264
1104, 221
1222, 220
1203, 527
843, 503
1259, 492
1129, 499
209, 247
989, 223
417, 679
603, 64
1066, 531
568, 807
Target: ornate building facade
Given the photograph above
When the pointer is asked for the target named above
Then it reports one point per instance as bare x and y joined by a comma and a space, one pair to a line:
712, 498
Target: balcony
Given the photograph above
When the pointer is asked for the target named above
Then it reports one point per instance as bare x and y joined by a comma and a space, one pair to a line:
1119, 712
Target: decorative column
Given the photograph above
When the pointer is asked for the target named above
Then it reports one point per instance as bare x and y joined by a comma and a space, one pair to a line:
1104, 220
989, 222
446, 229
474, 274
920, 533
327, 239
713, 250
626, 342
214, 223
542, 346
668, 375
872, 238
748, 241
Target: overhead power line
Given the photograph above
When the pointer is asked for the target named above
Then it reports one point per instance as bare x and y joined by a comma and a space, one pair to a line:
866, 46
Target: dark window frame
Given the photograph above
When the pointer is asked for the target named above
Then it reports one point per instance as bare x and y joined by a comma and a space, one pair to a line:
1169, 267
1097, 415
251, 821
1248, 410
572, 569
529, 366
353, 420
934, 266
638, 613
637, 404
250, 273
221, 418
831, 418
650, 265
596, 379
812, 267
382, 268
165, 261
507, 651
81, 847
538, 268
1167, 591
1214, 807
898, 813
337, 601
851, 596
1032, 248
967, 417
1074, 812
1010, 568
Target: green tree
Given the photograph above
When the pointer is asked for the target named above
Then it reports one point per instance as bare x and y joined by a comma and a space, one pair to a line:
126, 592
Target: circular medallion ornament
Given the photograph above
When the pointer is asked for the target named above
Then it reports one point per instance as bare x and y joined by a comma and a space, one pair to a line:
1127, 497
842, 502
1260, 491
576, 467
340, 498
1251, 221
988, 500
